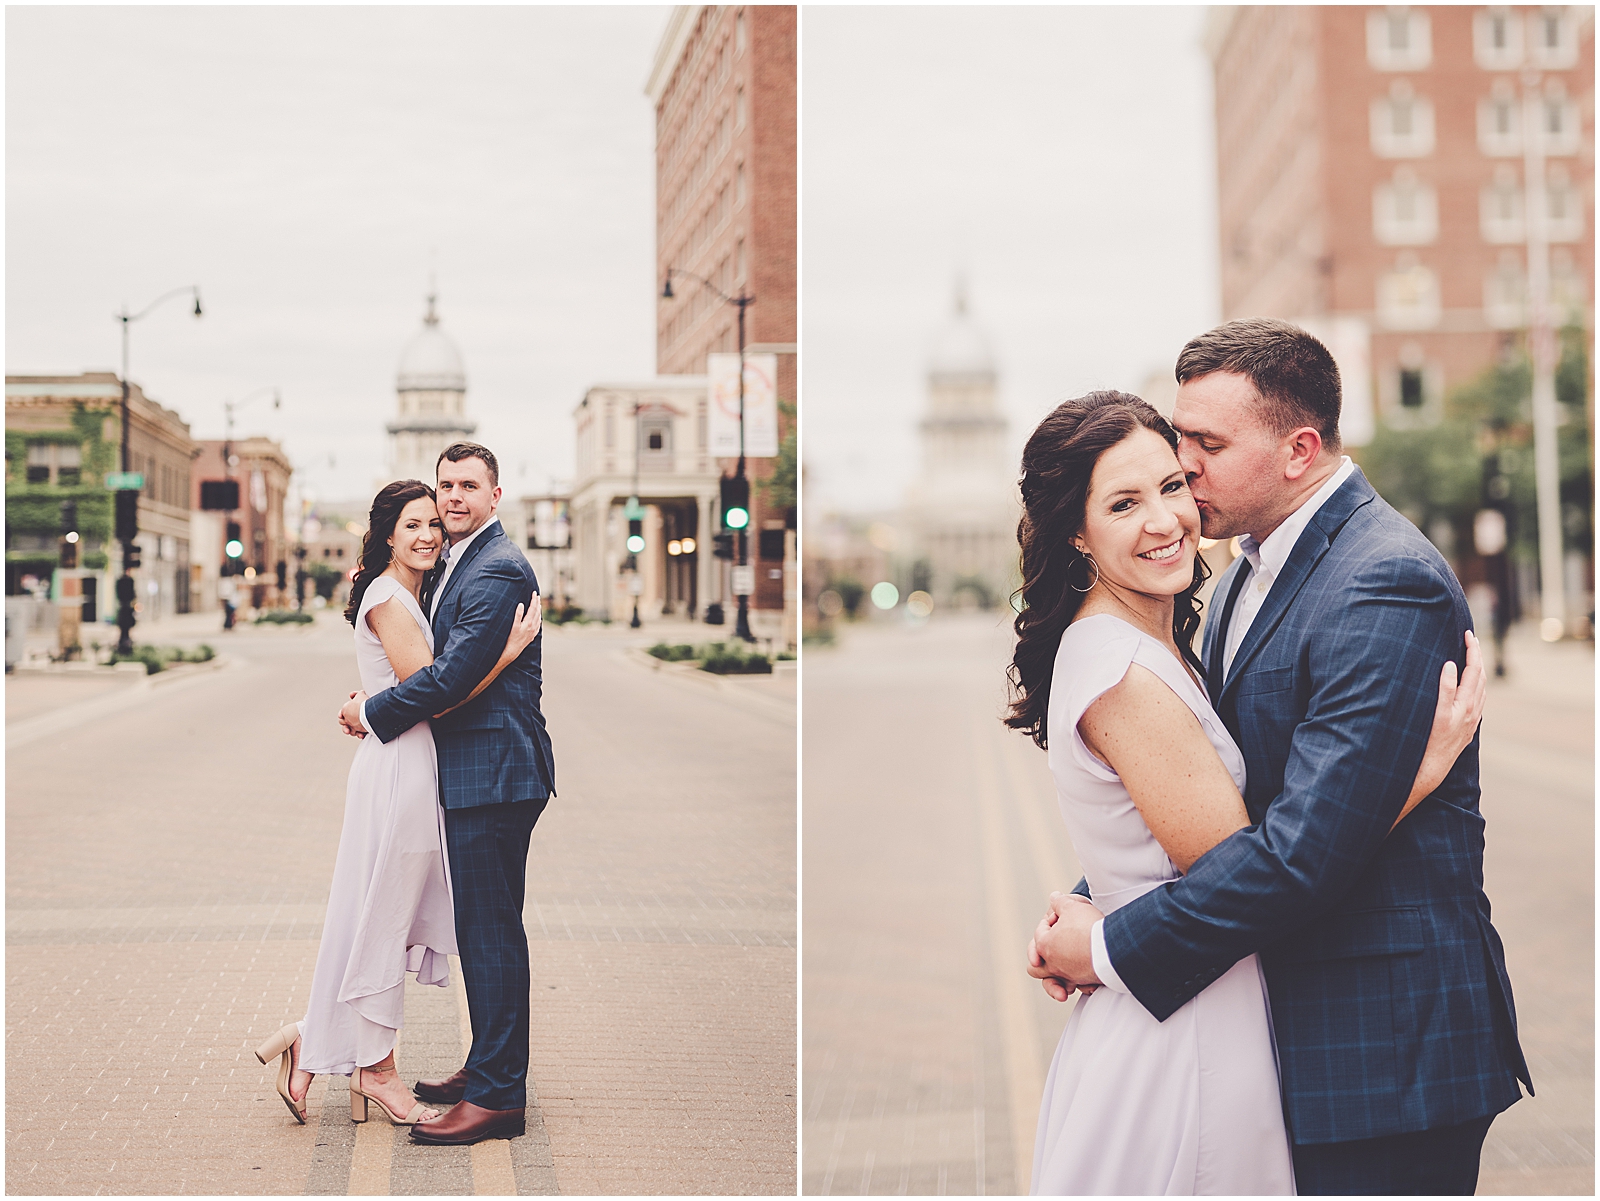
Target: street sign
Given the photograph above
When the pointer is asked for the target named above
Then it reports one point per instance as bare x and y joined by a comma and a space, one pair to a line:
118, 480
744, 580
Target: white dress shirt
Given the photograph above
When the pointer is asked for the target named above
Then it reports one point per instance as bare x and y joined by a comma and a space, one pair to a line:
452, 557
1267, 559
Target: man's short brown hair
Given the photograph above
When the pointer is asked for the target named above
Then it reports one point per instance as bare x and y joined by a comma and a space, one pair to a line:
1293, 373
457, 451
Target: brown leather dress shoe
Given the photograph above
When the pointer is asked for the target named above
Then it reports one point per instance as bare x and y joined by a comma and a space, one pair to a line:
469, 1123
443, 1092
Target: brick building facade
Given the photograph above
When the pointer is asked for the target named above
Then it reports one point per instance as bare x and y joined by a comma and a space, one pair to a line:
724, 89
1371, 170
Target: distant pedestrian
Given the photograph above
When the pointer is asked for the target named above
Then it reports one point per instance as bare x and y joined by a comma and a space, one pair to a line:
389, 910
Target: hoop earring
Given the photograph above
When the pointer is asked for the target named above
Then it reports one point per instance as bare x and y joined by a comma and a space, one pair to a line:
1090, 559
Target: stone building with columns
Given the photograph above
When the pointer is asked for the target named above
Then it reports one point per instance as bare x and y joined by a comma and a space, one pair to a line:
431, 385
962, 509
648, 440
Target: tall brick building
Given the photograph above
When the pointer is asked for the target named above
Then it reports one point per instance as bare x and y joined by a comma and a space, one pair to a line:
724, 89
1371, 181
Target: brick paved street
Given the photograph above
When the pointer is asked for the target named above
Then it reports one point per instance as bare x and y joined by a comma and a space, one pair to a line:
168, 858
931, 839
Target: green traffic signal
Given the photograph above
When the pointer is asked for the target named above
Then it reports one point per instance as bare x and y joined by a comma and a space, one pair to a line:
736, 519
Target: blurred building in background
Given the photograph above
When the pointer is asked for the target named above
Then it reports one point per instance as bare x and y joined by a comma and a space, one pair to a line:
431, 386
262, 471
645, 440
1376, 172
546, 533
724, 89
63, 436
961, 511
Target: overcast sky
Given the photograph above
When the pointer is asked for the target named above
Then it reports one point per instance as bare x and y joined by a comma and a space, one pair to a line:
308, 167
1062, 158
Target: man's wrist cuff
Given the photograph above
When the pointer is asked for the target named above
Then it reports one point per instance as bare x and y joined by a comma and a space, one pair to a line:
1102, 959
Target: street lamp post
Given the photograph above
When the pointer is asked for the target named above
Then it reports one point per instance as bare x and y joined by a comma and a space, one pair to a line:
742, 302
125, 585
1542, 352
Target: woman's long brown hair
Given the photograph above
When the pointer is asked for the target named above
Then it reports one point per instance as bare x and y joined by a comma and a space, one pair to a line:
1057, 464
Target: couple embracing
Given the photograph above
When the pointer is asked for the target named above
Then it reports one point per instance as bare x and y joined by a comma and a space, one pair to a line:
1289, 976
453, 770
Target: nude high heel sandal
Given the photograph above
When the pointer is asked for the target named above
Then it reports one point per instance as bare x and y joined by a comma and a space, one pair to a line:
359, 1099
282, 1044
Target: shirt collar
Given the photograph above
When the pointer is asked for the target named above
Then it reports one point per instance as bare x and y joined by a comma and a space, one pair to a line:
1272, 552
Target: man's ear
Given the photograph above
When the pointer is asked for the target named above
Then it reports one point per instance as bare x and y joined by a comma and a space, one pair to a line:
1305, 448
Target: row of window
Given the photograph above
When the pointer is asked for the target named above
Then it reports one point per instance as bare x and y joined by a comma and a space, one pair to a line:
690, 115
1401, 39
1408, 295
1402, 123
715, 149
1405, 211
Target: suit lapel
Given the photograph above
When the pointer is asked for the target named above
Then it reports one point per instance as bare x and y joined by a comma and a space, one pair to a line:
467, 556
1218, 635
1315, 541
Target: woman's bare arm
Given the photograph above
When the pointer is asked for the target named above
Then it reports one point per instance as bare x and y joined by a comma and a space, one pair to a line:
402, 638
1150, 738
1154, 742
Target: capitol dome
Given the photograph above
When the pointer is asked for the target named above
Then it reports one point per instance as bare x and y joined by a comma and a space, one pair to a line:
430, 361
960, 348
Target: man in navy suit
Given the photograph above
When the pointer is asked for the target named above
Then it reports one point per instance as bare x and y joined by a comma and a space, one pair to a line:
1391, 1004
496, 773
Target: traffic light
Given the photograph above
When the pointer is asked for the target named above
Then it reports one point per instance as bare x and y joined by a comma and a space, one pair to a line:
127, 514
635, 536
219, 494
283, 575
722, 546
735, 502
233, 548
130, 556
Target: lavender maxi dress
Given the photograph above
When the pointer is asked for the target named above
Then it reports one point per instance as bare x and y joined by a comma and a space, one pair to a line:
389, 909
1134, 1106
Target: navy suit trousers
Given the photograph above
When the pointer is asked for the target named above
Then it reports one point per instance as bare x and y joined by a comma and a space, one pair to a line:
488, 847
1442, 1162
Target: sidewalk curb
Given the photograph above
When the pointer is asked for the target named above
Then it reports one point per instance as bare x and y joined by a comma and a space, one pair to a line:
708, 679
171, 679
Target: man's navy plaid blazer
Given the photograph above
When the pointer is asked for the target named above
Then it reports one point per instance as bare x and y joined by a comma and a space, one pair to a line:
1390, 1000
494, 749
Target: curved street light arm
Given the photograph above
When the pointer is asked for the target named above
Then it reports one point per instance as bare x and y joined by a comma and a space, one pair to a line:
125, 317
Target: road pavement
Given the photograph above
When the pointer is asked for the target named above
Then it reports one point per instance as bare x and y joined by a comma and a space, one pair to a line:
169, 843
931, 839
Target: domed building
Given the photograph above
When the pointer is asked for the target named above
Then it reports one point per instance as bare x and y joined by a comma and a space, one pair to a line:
962, 509
432, 387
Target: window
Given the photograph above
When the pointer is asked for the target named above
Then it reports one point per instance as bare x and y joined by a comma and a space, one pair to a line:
1559, 121
1399, 39
1568, 295
1564, 209
1497, 40
1411, 387
1410, 391
738, 185
1500, 122
738, 109
1500, 208
69, 464
738, 34
1552, 41
1505, 290
1402, 124
1408, 296
1404, 211
738, 259
39, 464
